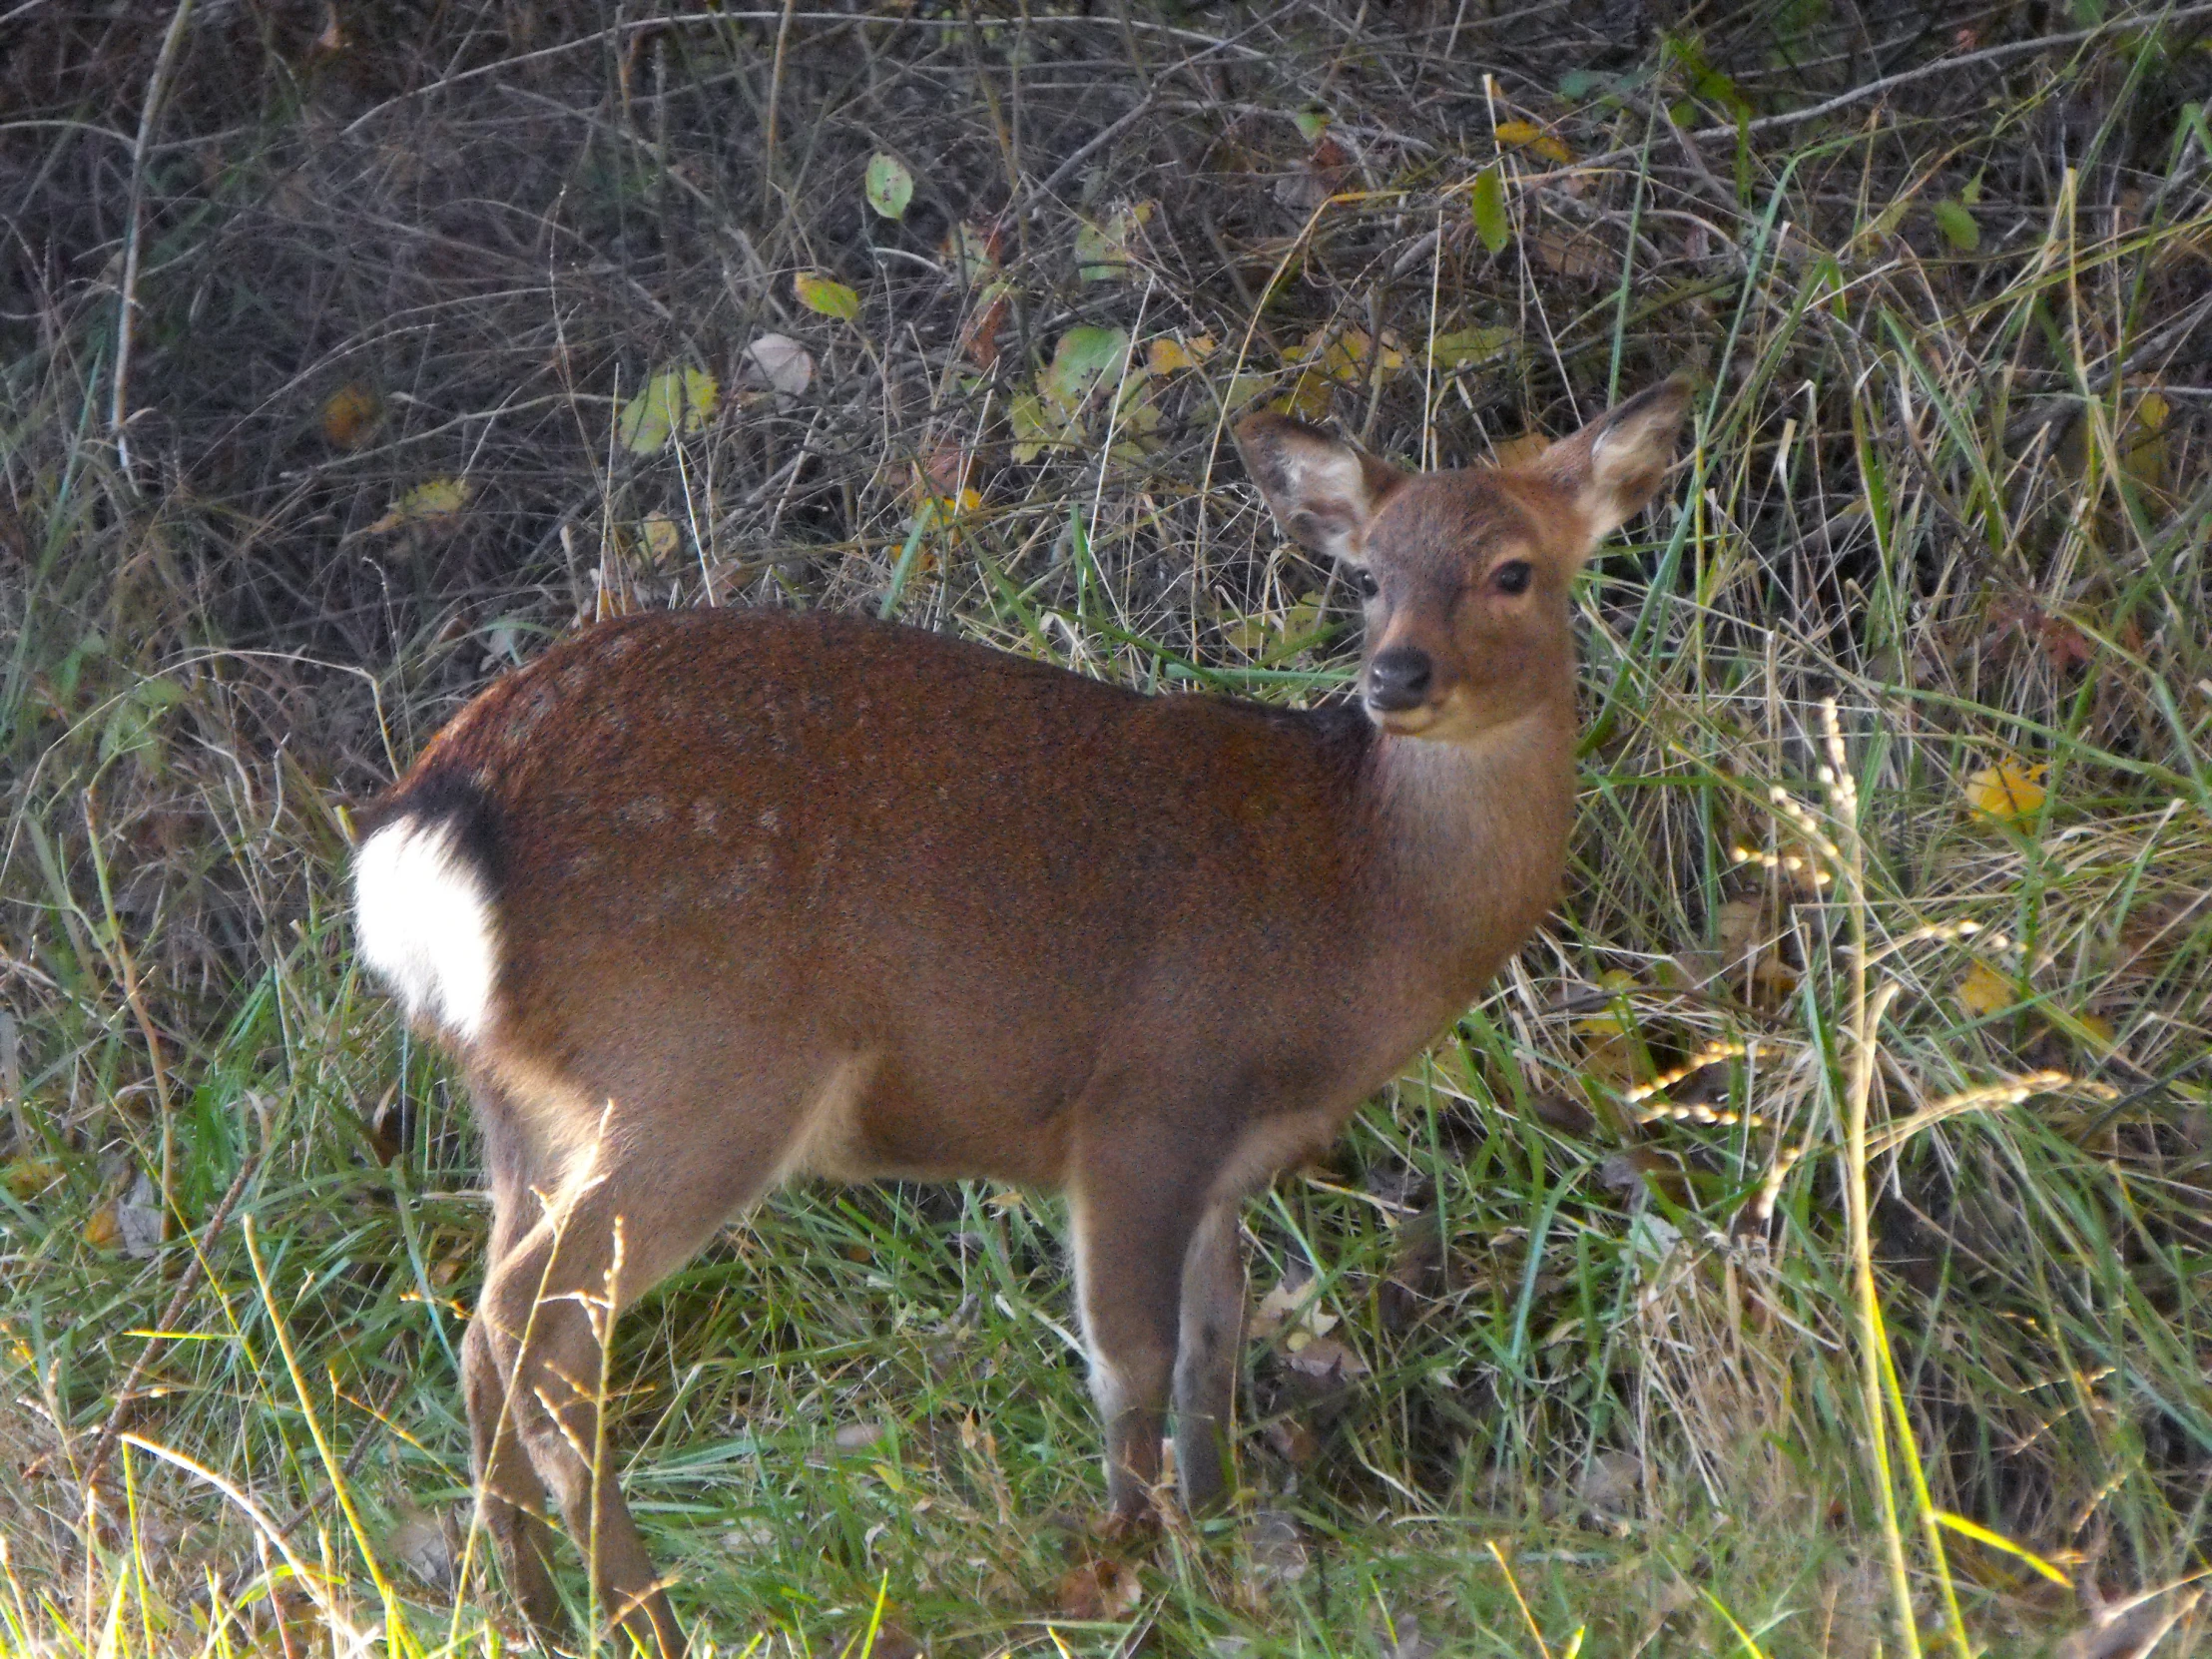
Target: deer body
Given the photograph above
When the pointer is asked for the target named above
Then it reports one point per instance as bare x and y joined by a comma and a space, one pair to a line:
707, 900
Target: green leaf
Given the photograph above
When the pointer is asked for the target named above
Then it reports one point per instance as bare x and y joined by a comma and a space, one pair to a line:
1469, 345
889, 186
674, 400
1312, 124
1083, 355
1103, 253
1489, 201
827, 296
1956, 223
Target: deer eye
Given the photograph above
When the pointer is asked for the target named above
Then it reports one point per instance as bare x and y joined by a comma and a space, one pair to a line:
1368, 585
1511, 576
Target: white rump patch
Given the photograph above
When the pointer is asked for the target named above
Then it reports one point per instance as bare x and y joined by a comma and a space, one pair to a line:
425, 924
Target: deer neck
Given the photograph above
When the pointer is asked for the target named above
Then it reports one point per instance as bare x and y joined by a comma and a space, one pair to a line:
1473, 838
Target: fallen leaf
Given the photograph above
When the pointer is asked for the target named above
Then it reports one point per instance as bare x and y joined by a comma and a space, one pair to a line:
971, 251
783, 363
1488, 205
1461, 347
1279, 1554
435, 503
659, 535
102, 1230
1611, 1482
350, 414
1956, 219
26, 1177
2007, 793
1105, 251
1323, 1358
419, 1542
2143, 442
671, 402
1294, 1442
1097, 1589
888, 186
1291, 1301
979, 334
1083, 357
2064, 644
1569, 253
1319, 175
1166, 353
825, 296
1983, 990
138, 1218
1736, 929
1526, 134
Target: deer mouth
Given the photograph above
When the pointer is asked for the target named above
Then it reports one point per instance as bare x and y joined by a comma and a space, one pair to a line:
1405, 722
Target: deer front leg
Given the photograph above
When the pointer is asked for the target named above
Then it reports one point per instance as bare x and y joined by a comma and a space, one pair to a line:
1205, 1356
1133, 1225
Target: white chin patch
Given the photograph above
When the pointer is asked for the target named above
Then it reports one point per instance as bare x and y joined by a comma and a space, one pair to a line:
425, 924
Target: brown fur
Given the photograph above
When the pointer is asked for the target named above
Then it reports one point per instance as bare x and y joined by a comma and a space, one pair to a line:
780, 894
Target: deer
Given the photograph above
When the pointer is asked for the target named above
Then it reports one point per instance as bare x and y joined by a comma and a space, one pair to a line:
704, 901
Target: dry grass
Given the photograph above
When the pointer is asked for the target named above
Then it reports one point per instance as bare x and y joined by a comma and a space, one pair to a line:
1952, 344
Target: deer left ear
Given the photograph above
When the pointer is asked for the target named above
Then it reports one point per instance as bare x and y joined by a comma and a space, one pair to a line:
1614, 465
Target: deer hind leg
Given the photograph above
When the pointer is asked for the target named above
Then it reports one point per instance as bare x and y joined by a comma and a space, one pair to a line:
1133, 1223
632, 1208
510, 1499
1206, 1356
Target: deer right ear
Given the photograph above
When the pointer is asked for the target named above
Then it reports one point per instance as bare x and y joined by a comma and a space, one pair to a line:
1323, 491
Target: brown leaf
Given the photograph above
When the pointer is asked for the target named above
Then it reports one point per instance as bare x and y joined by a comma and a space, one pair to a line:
1103, 1588
979, 334
1317, 178
350, 415
1325, 1360
1611, 1482
1572, 254
1290, 1439
1555, 1111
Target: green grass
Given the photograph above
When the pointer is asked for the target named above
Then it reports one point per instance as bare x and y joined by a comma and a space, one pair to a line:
1599, 1401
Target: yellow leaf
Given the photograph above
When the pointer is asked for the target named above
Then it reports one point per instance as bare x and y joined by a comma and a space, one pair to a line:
1983, 990
1526, 134
2143, 445
1616, 1018
440, 499
26, 1177
659, 533
826, 295
674, 400
1167, 354
2007, 792
350, 415
104, 1228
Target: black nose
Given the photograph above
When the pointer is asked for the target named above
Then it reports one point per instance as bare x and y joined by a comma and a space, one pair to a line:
1398, 678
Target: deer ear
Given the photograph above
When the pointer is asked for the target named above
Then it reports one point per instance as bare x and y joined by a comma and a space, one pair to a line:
1323, 491
1614, 465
